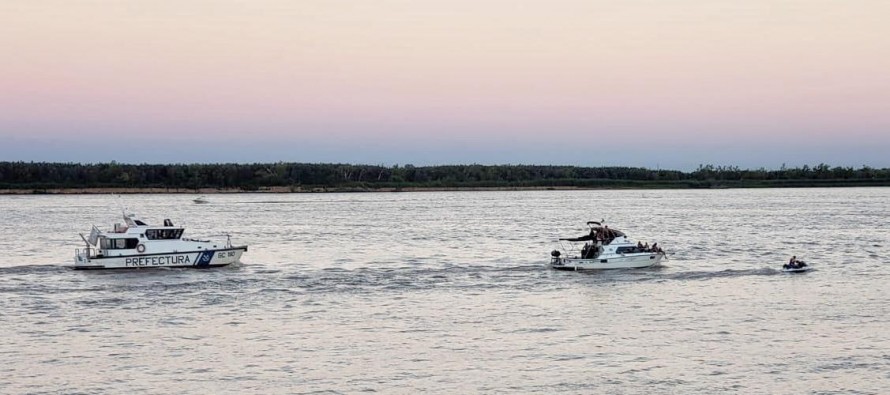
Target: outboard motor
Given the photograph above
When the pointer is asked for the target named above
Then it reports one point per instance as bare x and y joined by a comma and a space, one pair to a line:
554, 257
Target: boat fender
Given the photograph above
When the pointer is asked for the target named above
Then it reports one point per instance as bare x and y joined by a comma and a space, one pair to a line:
554, 253
140, 248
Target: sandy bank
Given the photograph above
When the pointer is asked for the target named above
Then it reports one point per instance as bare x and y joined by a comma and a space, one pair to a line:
210, 191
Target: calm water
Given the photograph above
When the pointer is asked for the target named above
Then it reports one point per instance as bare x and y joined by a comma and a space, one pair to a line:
449, 293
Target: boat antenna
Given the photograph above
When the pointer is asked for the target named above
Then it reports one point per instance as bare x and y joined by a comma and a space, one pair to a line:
85, 241
120, 203
124, 211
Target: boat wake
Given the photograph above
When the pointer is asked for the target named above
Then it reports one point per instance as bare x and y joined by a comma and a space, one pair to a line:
707, 275
664, 273
258, 279
34, 269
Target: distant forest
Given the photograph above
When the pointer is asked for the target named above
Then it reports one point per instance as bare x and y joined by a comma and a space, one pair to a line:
41, 176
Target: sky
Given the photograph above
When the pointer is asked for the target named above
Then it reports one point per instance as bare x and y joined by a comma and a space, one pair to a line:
665, 84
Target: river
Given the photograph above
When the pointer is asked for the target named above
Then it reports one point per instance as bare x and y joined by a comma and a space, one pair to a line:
449, 292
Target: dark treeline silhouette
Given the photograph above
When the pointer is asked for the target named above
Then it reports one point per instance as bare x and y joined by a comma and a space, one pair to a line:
306, 176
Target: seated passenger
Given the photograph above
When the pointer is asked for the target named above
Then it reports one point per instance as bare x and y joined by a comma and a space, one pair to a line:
591, 252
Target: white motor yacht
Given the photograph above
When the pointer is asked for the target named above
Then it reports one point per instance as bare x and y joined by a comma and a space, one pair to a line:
604, 248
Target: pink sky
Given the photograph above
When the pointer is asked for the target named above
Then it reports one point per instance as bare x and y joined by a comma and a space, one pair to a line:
449, 78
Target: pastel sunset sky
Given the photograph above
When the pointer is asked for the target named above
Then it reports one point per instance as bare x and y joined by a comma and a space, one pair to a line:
653, 83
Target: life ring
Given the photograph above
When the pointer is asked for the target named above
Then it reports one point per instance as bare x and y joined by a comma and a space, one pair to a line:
140, 248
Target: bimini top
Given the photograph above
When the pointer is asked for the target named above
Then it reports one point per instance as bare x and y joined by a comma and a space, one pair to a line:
598, 232
607, 232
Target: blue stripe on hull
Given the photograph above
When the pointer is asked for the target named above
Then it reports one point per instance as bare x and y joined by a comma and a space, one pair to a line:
204, 258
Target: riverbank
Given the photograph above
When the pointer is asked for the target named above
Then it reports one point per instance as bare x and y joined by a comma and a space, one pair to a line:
355, 189
211, 191
19, 178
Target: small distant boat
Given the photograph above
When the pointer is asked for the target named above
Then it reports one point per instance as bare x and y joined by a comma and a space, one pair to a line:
604, 248
799, 267
201, 200
136, 244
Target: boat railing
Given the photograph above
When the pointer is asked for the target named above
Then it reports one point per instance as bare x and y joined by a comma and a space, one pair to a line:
197, 240
85, 253
571, 248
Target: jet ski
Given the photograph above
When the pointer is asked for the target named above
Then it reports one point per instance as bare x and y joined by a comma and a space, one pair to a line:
797, 267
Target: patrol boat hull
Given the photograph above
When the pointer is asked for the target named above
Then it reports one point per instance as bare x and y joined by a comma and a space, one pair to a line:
192, 259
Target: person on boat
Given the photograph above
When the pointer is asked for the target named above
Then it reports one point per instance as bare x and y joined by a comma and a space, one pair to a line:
655, 248
589, 251
793, 263
608, 236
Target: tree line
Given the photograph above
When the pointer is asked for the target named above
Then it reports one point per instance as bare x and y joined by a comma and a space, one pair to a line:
310, 176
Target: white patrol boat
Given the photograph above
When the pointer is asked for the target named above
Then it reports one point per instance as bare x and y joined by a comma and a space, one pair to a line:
135, 244
604, 248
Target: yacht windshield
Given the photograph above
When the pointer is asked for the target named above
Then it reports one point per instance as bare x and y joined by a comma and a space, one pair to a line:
163, 234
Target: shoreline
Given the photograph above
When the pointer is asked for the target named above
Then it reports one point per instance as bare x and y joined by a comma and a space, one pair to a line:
216, 191
293, 189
